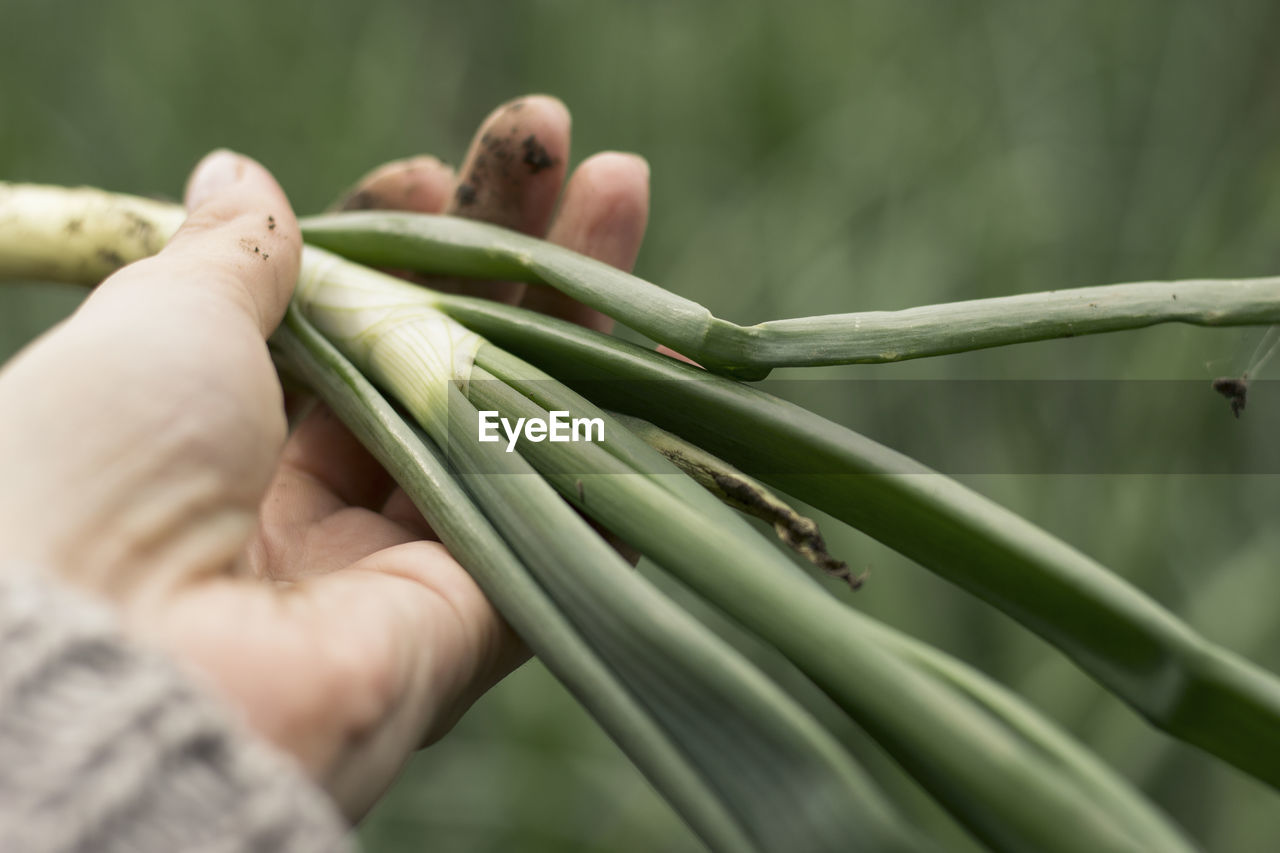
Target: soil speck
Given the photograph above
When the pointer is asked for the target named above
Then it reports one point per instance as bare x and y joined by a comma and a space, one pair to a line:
535, 155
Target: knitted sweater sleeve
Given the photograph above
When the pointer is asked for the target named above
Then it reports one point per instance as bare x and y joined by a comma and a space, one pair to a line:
105, 746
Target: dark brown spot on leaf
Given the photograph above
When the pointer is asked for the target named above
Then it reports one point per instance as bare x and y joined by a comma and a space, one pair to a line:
111, 258
1235, 389
799, 533
139, 226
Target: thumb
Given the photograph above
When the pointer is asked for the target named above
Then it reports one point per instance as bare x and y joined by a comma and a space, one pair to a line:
240, 244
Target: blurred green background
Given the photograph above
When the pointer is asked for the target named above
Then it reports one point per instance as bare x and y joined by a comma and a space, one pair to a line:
807, 158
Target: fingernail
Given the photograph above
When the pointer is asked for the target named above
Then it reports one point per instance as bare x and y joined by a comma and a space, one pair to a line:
216, 172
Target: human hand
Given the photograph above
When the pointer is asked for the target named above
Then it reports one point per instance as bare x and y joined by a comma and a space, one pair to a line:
145, 460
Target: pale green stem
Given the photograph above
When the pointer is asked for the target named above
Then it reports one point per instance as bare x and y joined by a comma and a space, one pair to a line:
127, 228
992, 780
423, 473
450, 246
784, 778
1179, 680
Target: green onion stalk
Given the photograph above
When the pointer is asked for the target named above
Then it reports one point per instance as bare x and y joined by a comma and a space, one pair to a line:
623, 679
995, 784
447, 245
746, 765
783, 775
1180, 681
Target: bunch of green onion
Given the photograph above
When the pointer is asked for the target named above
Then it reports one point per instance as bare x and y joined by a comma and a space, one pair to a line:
749, 767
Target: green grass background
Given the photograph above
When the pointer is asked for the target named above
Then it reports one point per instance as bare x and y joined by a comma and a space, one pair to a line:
807, 158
